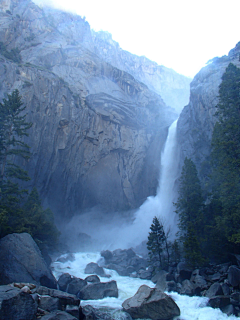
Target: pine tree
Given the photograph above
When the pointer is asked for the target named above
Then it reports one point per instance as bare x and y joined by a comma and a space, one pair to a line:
189, 208
13, 127
157, 243
39, 222
226, 158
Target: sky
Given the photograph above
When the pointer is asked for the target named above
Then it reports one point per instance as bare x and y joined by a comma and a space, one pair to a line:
179, 34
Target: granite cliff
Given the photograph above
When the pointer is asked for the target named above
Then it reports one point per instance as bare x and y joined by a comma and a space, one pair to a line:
173, 87
97, 131
196, 122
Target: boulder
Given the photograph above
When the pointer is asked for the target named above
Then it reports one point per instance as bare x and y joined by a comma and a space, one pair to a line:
66, 257
234, 276
16, 305
92, 279
184, 271
214, 290
64, 298
63, 281
187, 288
93, 268
48, 303
161, 283
144, 274
58, 315
219, 302
226, 289
159, 275
151, 303
76, 285
100, 290
91, 313
21, 261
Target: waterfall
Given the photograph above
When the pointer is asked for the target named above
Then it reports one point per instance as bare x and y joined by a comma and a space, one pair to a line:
160, 205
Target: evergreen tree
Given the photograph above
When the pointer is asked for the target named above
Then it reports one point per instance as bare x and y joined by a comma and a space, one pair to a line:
189, 207
226, 159
39, 222
157, 243
13, 127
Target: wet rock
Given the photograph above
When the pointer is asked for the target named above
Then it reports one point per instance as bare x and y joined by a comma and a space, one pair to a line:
184, 271
31, 267
58, 315
226, 290
92, 279
151, 303
93, 268
48, 303
75, 285
100, 290
219, 302
64, 298
66, 257
187, 288
63, 281
214, 290
16, 305
234, 276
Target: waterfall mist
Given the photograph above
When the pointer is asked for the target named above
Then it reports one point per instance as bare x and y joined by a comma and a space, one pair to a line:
116, 231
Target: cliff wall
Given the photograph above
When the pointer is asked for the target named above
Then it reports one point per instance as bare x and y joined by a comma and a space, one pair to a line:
97, 132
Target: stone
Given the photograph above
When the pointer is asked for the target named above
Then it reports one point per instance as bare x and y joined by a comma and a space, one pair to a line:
16, 305
48, 303
66, 257
226, 289
92, 279
151, 303
159, 275
161, 280
100, 290
73, 310
93, 268
64, 298
58, 315
184, 271
64, 281
214, 290
144, 274
234, 276
75, 285
187, 288
219, 302
21, 261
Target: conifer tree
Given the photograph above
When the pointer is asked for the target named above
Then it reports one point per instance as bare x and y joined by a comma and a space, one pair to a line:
226, 158
189, 208
13, 127
157, 243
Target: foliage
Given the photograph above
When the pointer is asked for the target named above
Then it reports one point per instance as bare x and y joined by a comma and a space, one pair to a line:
13, 54
39, 222
189, 207
226, 158
15, 217
157, 244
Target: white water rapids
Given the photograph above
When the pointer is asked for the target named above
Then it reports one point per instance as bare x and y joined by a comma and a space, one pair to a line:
192, 308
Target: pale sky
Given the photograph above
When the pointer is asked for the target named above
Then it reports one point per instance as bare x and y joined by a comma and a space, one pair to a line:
179, 34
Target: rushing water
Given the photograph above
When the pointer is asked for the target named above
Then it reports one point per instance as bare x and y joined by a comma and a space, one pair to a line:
192, 308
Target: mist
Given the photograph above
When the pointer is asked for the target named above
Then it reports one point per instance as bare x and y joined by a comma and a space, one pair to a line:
95, 230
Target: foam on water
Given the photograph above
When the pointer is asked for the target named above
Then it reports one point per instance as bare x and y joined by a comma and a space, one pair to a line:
192, 308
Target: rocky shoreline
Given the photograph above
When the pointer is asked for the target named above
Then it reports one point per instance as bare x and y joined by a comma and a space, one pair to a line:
28, 289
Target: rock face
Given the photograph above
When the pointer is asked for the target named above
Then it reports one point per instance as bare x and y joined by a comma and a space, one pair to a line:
97, 132
173, 87
16, 305
196, 122
21, 261
151, 303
